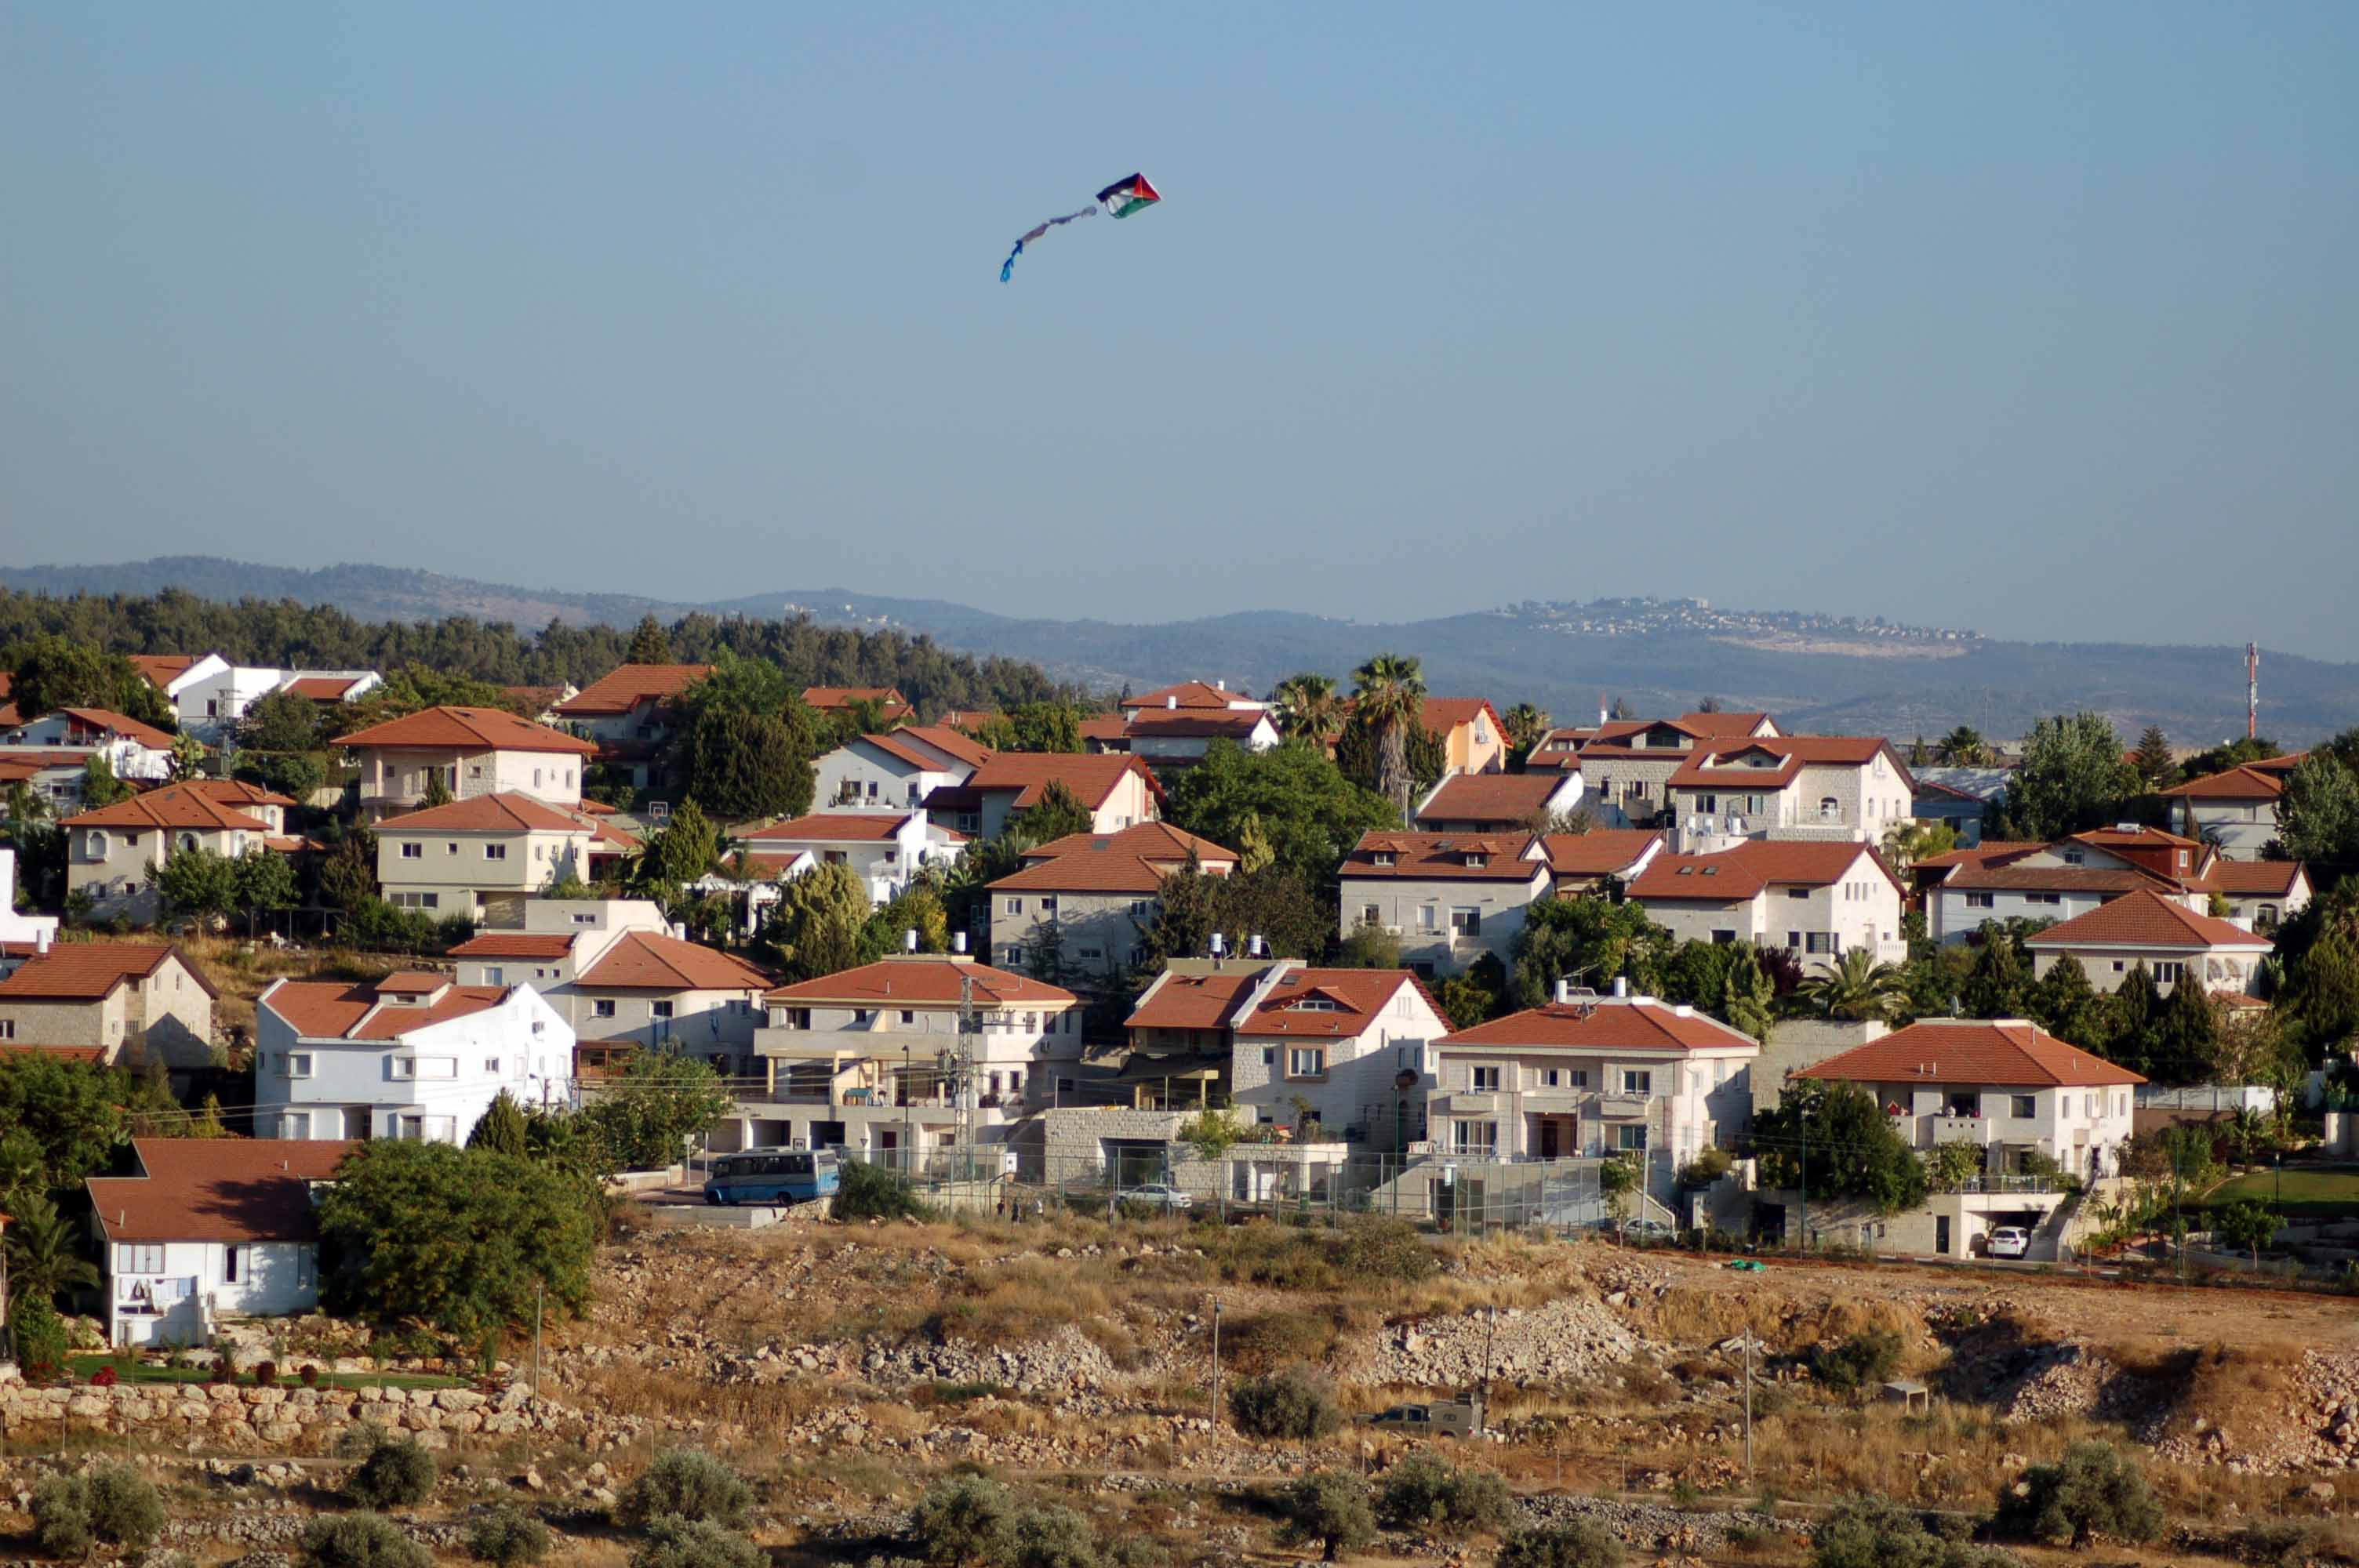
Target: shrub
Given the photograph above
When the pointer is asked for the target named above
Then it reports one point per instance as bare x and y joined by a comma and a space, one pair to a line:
114, 1504
104, 1378
265, 1373
1275, 1339
1583, 1543
310, 1374
1054, 1538
1385, 1250
1330, 1506
1705, 1168
361, 1541
508, 1535
874, 1192
397, 1473
1422, 1492
674, 1542
2094, 1490
965, 1520
687, 1486
1869, 1356
1875, 1532
2278, 1543
40, 1334
1293, 1402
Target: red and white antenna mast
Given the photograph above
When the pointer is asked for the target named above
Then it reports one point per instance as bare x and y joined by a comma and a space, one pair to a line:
2252, 691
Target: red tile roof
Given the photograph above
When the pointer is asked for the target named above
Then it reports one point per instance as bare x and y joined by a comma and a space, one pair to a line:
1186, 695
534, 698
1600, 852
2006, 1053
1091, 778
515, 945
217, 1189
952, 744
1194, 1002
161, 669
465, 730
2264, 780
2145, 919
892, 745
1443, 714
323, 689
1507, 799
642, 960
621, 690
1196, 723
1637, 1024
932, 980
509, 811
175, 806
840, 699
2137, 837
236, 793
1721, 723
412, 982
1135, 860
1359, 995
112, 723
1154, 840
63, 1052
2048, 879
1709, 766
86, 971
834, 827
1756, 863
2255, 879
1442, 857
1989, 852
335, 1010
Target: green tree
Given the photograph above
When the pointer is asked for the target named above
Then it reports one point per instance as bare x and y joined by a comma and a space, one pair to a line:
437, 791
2073, 777
2064, 1003
1058, 814
505, 1536
38, 1332
348, 871
48, 672
1426, 1492
2317, 815
685, 1483
1994, 986
1964, 747
1368, 948
262, 881
1473, 997
1580, 1543
1910, 842
917, 908
281, 721
1330, 1506
501, 1129
1839, 1137
1952, 1164
1388, 696
196, 881
1526, 727
2248, 1222
44, 1252
72, 1113
298, 775
1186, 911
650, 644
965, 1520
661, 1103
1856, 985
684, 848
1308, 708
1875, 1532
397, 1473
1587, 941
1293, 1404
2094, 1491
454, 1237
361, 1541
1044, 727
2153, 760
2185, 1034
100, 787
188, 757
114, 1504
814, 928
1308, 813
1748, 997
747, 765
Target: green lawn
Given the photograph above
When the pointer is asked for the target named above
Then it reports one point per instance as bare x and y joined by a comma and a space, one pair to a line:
2308, 1193
83, 1367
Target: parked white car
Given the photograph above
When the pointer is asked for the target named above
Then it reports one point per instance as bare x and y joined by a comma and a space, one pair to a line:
2009, 1241
1157, 1194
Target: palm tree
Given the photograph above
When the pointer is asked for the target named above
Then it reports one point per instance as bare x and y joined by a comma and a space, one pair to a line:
1389, 694
1856, 986
1525, 725
1964, 748
1909, 842
1308, 708
43, 1258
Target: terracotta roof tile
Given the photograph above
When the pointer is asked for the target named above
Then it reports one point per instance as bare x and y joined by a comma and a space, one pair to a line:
515, 945
161, 669
2145, 919
1709, 766
176, 805
509, 811
465, 730
621, 690
1435, 857
955, 745
1193, 1002
2252, 781
112, 723
2045, 878
238, 793
840, 699
2006, 1053
1721, 723
1186, 695
334, 1009
931, 980
1091, 778
323, 689
1504, 799
1612, 1023
1600, 852
85, 971
1989, 852
89, 1053
2255, 879
642, 960
1442, 714
1196, 723
1154, 840
1359, 995
217, 1189
834, 827
1756, 863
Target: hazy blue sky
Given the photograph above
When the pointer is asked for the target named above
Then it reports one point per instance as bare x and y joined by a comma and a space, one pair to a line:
2037, 319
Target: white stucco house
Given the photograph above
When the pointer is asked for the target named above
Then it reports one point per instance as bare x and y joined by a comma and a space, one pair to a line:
1498, 803
2237, 810
896, 771
209, 1231
1817, 899
474, 752
16, 928
1117, 790
210, 695
1449, 897
413, 1056
2173, 942
1093, 893
136, 752
883, 849
486, 856
1336, 1040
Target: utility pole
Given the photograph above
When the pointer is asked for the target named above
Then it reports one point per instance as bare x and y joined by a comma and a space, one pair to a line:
1489, 1337
1748, 1408
539, 1294
1216, 1363
1802, 1121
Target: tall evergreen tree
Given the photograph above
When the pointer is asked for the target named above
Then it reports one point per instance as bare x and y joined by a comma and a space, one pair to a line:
1994, 985
2153, 759
650, 644
501, 1127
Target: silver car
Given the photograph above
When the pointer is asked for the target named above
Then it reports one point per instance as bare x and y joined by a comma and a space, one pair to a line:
1159, 1195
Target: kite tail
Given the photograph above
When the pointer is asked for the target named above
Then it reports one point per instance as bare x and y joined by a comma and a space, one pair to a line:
1007, 268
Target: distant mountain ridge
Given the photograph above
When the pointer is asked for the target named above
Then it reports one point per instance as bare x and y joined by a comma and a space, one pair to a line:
1828, 674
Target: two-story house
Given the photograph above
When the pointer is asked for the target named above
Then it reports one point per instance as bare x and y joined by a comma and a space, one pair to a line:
1965, 888
2237, 809
1587, 862
54, 777
1119, 791
879, 1057
654, 991
412, 1056
2172, 941
210, 695
1498, 803
1644, 752
1450, 897
1594, 1076
115, 853
2263, 894
896, 771
1792, 786
209, 1231
139, 1001
1179, 738
842, 701
474, 750
883, 849
136, 752
1335, 1043
1192, 696
627, 712
1817, 899
1473, 739
484, 857
1093, 893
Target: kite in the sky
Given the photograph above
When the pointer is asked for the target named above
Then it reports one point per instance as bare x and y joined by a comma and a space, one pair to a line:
1120, 199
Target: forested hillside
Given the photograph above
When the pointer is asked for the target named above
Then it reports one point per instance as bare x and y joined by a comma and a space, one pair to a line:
285, 633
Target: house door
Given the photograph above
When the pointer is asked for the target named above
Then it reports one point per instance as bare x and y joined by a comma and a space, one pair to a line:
1941, 1235
1549, 1147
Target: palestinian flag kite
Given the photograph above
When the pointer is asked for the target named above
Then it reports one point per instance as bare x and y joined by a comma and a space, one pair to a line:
1130, 194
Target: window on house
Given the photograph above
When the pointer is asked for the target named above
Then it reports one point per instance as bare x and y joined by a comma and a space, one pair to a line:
298, 1064
1306, 1061
659, 1010
1014, 906
492, 1066
8, 1028
1466, 921
2075, 857
2023, 1107
2043, 898
794, 1018
1551, 1078
1793, 939
1474, 1137
1014, 959
604, 1007
1830, 809
410, 852
1048, 905
139, 1258
2168, 972
1981, 899
1820, 942
536, 778
1629, 1138
1723, 937
1638, 1083
1370, 914
862, 1016
232, 1258
449, 848
1798, 892
495, 852
1428, 917
1380, 857
1483, 1080
1270, 1055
